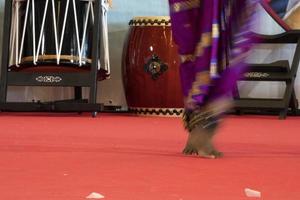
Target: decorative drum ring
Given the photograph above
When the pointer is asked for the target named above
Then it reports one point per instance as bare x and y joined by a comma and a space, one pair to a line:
163, 112
150, 21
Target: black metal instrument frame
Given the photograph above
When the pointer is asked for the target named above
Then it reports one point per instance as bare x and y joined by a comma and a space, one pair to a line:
46, 79
281, 71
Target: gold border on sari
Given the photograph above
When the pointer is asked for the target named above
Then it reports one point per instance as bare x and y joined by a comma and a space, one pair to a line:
206, 41
215, 31
185, 5
213, 69
187, 58
202, 78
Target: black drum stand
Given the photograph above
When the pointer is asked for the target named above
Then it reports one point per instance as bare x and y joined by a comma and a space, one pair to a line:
77, 80
279, 71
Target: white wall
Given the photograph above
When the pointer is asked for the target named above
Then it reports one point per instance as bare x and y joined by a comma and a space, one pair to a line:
112, 90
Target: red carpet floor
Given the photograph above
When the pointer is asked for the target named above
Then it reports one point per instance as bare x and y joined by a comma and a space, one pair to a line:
67, 156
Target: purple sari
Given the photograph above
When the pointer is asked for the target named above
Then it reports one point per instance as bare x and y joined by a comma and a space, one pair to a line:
213, 38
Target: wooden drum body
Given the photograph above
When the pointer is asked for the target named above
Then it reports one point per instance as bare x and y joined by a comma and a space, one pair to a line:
151, 68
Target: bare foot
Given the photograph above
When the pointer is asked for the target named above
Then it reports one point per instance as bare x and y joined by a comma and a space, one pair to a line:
199, 143
217, 153
205, 155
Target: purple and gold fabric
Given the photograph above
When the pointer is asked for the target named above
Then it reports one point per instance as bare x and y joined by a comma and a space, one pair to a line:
213, 37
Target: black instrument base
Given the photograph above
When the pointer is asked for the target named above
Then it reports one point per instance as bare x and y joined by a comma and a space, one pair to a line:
55, 106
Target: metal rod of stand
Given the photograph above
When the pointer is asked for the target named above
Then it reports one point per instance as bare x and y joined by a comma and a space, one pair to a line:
5, 50
95, 50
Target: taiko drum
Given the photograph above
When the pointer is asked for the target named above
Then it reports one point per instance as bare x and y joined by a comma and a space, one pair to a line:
53, 36
151, 68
